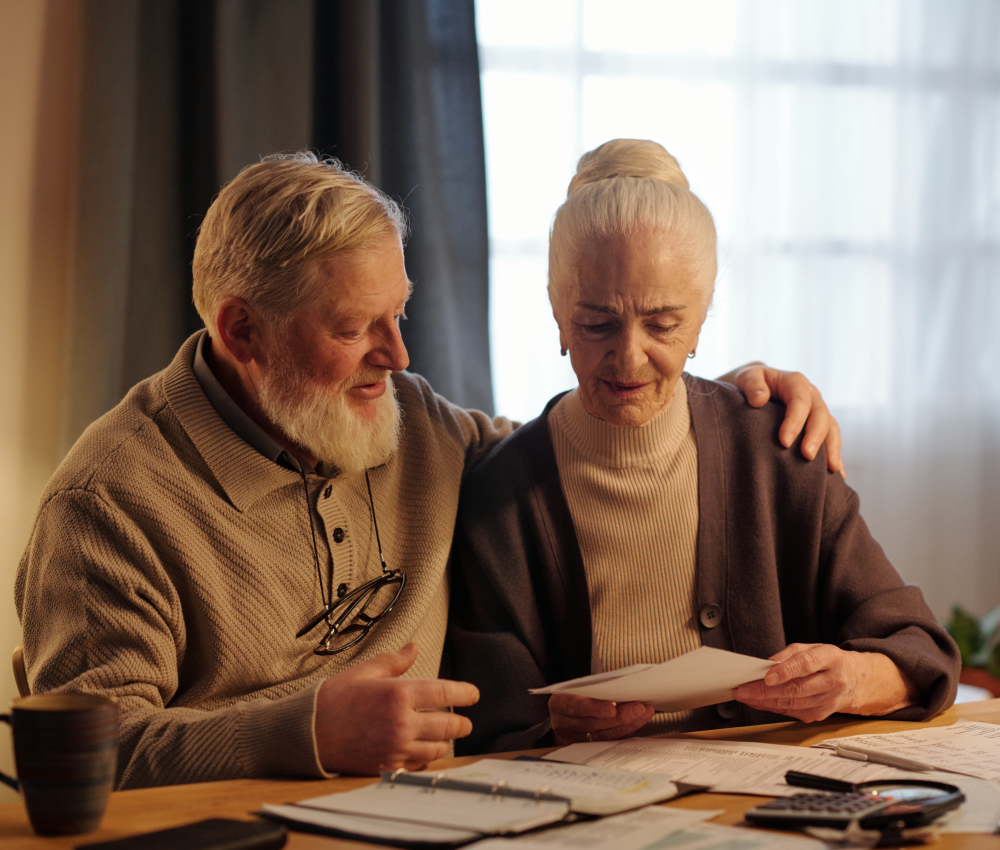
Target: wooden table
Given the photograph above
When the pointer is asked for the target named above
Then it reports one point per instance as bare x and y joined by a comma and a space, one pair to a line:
131, 812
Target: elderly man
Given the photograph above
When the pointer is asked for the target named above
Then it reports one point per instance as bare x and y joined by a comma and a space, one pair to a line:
249, 549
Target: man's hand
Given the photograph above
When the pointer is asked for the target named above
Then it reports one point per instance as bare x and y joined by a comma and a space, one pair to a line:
368, 719
576, 719
805, 407
813, 680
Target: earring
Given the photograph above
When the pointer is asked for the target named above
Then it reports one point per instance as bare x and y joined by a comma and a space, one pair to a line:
563, 351
692, 354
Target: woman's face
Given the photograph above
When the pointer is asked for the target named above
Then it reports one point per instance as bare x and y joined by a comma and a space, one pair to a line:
629, 321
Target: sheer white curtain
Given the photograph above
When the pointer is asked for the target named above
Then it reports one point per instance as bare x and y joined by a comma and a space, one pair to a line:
850, 152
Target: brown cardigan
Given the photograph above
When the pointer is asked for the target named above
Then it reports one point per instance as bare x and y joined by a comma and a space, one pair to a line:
783, 557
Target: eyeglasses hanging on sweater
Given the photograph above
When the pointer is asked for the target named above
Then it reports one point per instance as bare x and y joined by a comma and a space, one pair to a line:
350, 618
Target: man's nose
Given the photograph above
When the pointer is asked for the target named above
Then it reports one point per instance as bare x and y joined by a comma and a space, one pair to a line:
391, 353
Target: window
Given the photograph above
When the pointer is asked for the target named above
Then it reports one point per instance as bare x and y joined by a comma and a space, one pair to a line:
850, 153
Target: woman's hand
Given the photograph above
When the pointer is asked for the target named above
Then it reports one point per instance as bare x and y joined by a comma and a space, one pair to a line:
804, 407
576, 719
811, 681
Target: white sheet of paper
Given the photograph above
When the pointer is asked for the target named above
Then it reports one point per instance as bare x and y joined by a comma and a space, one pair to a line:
714, 836
703, 677
696, 836
968, 747
372, 827
485, 814
727, 767
635, 830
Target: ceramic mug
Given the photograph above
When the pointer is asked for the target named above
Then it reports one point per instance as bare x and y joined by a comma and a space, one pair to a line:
65, 749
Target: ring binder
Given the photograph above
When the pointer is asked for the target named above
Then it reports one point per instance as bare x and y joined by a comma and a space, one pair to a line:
488, 797
500, 788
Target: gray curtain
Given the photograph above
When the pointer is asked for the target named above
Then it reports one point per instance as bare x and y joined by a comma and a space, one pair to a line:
397, 96
178, 95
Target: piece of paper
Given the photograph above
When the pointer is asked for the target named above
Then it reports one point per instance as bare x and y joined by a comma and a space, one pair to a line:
713, 836
697, 836
486, 814
703, 677
636, 830
368, 827
590, 790
968, 747
979, 813
726, 767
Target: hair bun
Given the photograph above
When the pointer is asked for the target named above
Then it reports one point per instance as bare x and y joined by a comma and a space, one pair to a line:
627, 158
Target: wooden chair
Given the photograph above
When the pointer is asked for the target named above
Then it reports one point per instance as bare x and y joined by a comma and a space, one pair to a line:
20, 673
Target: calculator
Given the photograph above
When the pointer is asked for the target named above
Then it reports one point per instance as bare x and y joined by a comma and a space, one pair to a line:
874, 805
833, 810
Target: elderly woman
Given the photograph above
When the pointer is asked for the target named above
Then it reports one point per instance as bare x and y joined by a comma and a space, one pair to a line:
648, 512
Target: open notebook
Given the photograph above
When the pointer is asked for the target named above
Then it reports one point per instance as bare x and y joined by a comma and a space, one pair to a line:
489, 797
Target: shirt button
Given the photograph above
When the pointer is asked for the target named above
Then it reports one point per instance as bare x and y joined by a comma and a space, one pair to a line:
710, 616
728, 710
342, 591
338, 535
328, 491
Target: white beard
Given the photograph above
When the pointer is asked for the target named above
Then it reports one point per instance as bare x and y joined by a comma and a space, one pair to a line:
326, 425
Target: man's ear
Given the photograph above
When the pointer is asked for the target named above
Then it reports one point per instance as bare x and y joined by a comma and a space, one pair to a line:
238, 329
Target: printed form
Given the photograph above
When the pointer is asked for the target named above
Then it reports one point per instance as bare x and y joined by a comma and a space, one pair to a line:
725, 767
646, 829
967, 747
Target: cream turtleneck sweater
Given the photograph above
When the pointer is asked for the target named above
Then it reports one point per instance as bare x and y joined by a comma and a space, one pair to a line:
633, 497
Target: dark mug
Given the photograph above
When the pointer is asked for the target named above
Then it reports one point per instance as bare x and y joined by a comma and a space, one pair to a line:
65, 749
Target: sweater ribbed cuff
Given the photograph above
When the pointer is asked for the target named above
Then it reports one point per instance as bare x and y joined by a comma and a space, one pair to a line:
277, 737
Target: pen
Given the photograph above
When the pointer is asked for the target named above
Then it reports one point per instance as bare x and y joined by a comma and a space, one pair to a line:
851, 751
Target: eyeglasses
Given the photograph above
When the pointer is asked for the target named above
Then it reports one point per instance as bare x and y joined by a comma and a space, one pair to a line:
368, 604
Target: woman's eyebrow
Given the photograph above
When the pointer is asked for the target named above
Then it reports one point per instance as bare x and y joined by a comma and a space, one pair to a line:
613, 311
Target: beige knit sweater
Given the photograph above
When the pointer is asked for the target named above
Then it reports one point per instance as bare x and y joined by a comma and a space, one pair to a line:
633, 497
171, 564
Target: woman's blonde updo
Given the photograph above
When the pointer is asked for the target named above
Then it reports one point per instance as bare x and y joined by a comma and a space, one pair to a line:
624, 187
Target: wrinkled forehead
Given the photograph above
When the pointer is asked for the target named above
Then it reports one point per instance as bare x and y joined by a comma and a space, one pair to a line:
644, 272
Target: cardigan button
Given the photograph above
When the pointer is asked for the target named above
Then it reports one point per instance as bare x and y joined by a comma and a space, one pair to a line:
728, 710
342, 591
338, 535
328, 491
710, 616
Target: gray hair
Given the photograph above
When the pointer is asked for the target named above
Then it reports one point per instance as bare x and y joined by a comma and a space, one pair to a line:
264, 233
626, 187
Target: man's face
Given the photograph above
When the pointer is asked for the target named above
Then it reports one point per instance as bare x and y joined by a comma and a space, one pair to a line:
326, 384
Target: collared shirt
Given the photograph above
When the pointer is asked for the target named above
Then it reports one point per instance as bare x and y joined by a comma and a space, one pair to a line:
242, 424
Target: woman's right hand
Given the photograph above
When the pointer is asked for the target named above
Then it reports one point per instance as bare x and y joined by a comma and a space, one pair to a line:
576, 719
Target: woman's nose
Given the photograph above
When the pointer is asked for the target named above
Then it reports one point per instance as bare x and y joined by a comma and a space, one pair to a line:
630, 355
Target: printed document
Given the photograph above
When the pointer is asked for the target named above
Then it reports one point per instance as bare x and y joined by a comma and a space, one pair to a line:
967, 747
613, 834
726, 767
637, 830
703, 677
